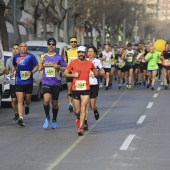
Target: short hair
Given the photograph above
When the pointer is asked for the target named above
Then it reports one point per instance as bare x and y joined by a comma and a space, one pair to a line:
94, 48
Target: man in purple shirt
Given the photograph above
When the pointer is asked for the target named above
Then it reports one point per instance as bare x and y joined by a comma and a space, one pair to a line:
51, 63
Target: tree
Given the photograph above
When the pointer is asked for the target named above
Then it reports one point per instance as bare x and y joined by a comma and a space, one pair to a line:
3, 29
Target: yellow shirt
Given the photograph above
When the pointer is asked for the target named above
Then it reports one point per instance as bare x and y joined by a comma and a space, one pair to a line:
71, 54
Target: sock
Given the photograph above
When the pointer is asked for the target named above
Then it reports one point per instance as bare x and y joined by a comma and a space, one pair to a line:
77, 115
21, 117
85, 122
47, 110
55, 113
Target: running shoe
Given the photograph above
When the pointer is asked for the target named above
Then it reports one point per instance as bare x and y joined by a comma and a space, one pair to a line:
53, 124
46, 123
71, 108
123, 82
166, 87
85, 127
16, 117
80, 132
115, 78
159, 80
101, 85
127, 85
152, 88
106, 88
110, 84
130, 86
119, 87
96, 114
148, 85
142, 84
21, 122
77, 123
27, 110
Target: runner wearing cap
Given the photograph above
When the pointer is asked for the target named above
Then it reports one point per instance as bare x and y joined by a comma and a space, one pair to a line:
71, 55
50, 63
81, 86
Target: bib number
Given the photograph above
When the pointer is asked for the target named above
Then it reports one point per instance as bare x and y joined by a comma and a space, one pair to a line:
167, 62
70, 59
50, 72
130, 59
81, 85
23, 75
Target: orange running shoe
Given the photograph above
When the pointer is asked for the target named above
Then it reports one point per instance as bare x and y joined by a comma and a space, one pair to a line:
80, 132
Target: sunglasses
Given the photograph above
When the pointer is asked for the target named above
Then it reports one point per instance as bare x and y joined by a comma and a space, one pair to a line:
73, 41
51, 44
81, 51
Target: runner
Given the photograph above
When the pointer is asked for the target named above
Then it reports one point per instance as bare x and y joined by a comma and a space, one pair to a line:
15, 50
99, 56
25, 65
120, 66
137, 65
94, 85
71, 55
107, 59
152, 58
166, 64
128, 56
50, 63
81, 87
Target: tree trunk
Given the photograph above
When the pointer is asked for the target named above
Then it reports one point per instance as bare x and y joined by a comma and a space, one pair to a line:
38, 29
57, 32
78, 35
3, 29
82, 36
45, 26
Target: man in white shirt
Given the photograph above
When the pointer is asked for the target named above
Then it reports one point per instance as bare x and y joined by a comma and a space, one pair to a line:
107, 59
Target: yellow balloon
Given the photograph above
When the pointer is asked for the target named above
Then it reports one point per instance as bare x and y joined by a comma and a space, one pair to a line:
159, 45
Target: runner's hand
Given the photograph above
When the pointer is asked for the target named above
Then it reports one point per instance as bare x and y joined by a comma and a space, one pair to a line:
40, 68
55, 65
11, 75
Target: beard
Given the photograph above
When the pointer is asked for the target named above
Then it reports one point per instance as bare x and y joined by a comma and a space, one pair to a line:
81, 58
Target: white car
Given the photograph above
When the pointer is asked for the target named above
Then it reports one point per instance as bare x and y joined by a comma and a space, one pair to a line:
1, 77
37, 77
42, 46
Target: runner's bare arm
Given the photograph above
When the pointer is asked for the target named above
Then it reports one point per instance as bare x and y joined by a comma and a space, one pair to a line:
101, 72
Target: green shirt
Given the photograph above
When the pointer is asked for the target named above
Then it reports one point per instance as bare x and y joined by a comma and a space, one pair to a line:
152, 63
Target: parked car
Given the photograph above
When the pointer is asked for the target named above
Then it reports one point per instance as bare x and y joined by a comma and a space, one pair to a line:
37, 77
1, 77
42, 46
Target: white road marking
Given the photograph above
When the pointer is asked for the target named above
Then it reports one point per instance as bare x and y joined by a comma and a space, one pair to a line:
159, 88
149, 105
155, 95
127, 142
141, 119
63, 155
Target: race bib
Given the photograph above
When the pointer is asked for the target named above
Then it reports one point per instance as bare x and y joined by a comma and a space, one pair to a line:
107, 61
81, 85
167, 62
50, 71
130, 59
70, 59
152, 65
120, 65
23, 75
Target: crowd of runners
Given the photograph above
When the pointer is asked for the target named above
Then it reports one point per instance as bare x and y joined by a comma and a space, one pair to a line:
87, 69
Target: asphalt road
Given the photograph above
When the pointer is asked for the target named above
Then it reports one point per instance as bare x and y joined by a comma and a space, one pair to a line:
133, 133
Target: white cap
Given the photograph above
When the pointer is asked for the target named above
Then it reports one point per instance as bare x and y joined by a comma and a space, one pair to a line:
82, 48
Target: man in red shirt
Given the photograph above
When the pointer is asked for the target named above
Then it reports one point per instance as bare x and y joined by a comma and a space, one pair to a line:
80, 69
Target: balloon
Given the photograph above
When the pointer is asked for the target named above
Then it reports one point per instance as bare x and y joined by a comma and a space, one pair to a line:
159, 45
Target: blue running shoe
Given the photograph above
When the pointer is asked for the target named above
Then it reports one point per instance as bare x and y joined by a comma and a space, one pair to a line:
46, 123
54, 124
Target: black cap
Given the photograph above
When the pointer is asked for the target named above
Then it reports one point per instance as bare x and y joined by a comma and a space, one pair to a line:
129, 45
51, 40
